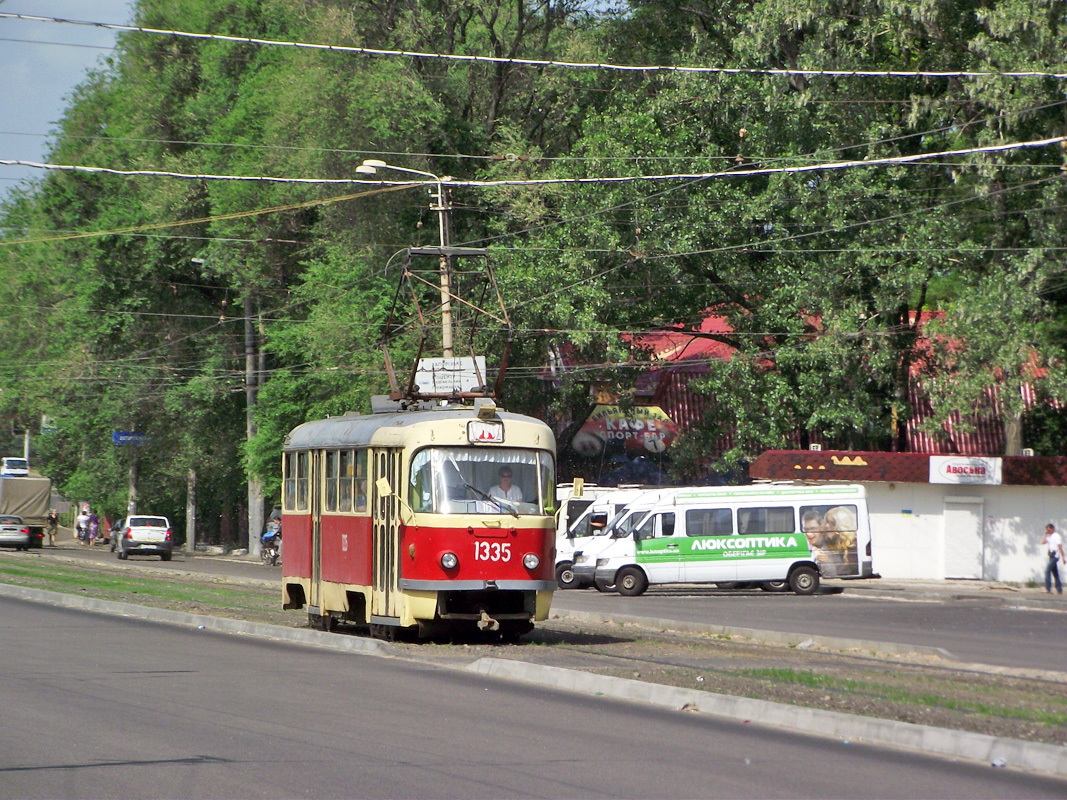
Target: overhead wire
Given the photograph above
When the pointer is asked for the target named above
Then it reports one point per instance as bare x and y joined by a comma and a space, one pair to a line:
544, 63
405, 184
395, 185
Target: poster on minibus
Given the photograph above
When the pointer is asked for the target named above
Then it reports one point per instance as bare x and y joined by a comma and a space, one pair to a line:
611, 429
831, 535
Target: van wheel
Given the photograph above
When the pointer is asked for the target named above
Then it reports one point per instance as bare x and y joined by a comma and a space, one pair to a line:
804, 580
631, 582
774, 586
565, 576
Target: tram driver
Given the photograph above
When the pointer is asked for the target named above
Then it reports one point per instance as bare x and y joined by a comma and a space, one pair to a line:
506, 490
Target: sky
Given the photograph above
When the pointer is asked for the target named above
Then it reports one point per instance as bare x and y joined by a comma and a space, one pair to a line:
40, 65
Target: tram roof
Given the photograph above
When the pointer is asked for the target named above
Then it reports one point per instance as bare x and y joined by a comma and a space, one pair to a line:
360, 430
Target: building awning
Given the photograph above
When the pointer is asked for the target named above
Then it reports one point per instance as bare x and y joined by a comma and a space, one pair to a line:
853, 466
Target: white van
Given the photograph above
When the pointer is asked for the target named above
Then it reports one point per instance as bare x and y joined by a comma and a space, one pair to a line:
619, 513
14, 468
586, 531
773, 532
572, 502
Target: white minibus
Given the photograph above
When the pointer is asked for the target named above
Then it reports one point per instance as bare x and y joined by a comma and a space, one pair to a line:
628, 507
572, 503
588, 532
771, 532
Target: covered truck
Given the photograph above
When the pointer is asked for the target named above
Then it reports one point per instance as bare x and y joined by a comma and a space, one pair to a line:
28, 498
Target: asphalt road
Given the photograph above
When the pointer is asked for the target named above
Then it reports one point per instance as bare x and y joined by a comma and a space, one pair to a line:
996, 631
101, 706
1022, 630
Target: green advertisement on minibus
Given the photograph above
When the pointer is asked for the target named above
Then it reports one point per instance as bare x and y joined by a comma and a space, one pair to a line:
782, 534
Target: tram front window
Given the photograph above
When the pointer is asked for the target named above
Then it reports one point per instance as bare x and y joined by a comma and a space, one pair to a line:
467, 480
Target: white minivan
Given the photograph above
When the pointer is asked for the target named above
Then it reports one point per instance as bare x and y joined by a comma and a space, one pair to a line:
572, 502
14, 468
770, 532
586, 531
612, 517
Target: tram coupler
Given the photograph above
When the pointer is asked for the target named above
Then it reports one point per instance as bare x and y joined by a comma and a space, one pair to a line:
487, 623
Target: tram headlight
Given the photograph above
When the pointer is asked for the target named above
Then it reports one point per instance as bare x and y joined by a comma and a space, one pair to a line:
531, 561
449, 561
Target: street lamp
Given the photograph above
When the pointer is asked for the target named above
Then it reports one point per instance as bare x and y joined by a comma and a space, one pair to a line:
370, 167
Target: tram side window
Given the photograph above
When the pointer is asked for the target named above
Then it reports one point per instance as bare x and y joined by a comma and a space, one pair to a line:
296, 481
766, 520
547, 468
709, 522
332, 471
346, 480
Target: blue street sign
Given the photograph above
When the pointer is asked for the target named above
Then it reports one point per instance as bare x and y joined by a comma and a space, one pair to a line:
129, 437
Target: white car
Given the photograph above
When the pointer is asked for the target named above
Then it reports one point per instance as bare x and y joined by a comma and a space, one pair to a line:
144, 535
14, 532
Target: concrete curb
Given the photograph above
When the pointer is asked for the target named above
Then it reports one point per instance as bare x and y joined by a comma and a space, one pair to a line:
219, 624
1032, 756
773, 637
1015, 753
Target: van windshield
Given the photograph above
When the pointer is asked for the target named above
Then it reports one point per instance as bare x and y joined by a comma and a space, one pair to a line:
624, 523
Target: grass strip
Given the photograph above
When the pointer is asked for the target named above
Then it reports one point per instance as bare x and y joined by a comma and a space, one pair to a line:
77, 580
830, 683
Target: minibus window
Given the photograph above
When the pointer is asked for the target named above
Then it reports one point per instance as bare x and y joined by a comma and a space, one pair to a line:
668, 524
709, 522
831, 535
646, 531
766, 520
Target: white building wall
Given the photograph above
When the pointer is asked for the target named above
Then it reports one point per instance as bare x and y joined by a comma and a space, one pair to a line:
908, 529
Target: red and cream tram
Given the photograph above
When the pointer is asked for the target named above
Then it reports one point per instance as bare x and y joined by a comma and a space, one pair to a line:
404, 520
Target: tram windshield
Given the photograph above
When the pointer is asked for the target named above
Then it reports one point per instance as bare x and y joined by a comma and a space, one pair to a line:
478, 480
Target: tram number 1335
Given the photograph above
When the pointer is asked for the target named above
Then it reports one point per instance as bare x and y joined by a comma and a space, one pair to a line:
492, 551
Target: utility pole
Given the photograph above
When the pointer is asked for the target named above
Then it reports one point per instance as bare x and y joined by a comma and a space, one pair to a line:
443, 219
190, 511
255, 486
370, 167
131, 501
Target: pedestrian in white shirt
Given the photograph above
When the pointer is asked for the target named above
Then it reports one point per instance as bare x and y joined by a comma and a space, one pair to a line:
1054, 550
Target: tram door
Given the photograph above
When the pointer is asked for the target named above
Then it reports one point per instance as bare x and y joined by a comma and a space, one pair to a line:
315, 466
386, 534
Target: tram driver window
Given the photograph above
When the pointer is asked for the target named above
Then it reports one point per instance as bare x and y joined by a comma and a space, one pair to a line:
480, 480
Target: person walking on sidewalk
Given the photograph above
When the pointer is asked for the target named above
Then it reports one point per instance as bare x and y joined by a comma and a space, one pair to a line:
1054, 550
53, 526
